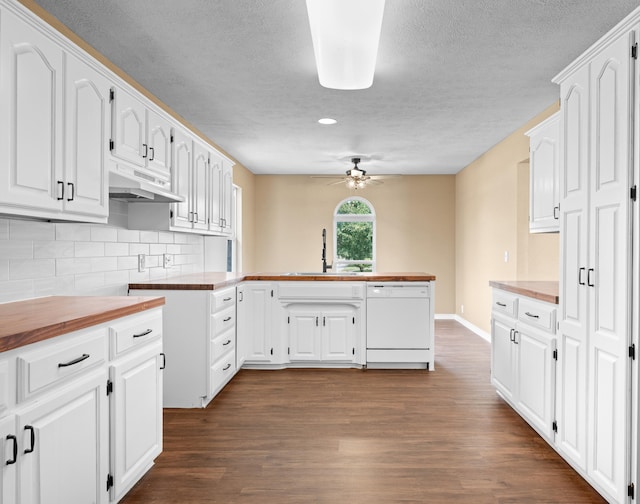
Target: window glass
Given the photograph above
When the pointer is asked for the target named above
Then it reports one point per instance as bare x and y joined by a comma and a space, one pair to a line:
354, 236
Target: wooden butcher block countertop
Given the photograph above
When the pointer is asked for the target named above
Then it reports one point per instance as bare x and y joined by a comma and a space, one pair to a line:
33, 320
212, 281
543, 290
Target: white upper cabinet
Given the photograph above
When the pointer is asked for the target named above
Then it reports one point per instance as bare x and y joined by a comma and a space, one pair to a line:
36, 180
140, 136
544, 177
221, 195
182, 160
199, 186
87, 126
31, 83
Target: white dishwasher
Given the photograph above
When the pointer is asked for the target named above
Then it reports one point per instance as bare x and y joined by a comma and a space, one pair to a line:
400, 325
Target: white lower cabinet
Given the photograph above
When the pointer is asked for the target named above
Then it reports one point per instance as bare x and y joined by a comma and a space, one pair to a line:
523, 358
63, 444
136, 426
255, 323
8, 462
325, 334
83, 421
199, 340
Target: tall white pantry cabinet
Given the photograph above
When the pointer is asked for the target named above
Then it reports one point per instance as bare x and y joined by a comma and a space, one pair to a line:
596, 423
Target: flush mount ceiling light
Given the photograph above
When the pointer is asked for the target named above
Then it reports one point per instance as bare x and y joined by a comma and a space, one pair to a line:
345, 36
327, 120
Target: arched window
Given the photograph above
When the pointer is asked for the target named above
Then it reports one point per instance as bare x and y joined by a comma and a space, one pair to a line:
354, 235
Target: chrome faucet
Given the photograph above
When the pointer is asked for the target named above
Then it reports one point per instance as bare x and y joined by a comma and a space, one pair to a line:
325, 266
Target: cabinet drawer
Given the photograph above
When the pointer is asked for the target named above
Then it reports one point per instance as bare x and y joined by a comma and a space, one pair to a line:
134, 332
223, 321
222, 344
505, 302
53, 363
222, 371
223, 299
537, 314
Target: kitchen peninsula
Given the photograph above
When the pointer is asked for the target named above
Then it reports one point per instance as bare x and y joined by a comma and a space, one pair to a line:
215, 323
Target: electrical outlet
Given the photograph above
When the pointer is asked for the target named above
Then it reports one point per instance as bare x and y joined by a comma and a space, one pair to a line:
506, 256
142, 262
461, 308
167, 261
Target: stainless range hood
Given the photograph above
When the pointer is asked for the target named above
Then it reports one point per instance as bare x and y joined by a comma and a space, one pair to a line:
133, 188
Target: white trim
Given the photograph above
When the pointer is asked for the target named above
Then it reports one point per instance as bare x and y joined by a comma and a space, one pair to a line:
353, 218
473, 328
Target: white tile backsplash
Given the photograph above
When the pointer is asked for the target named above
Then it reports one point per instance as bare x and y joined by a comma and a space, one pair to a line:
43, 258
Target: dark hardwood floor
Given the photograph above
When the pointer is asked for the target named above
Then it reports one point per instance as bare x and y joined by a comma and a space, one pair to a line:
350, 436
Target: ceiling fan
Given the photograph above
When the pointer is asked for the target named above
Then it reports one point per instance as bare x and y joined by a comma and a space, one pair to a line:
355, 178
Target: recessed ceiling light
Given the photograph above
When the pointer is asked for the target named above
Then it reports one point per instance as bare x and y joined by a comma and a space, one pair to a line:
327, 120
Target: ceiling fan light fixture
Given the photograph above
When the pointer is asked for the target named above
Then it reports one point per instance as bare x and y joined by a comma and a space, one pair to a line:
345, 36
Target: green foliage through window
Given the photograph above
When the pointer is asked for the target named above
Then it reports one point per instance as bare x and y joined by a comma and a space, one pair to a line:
354, 236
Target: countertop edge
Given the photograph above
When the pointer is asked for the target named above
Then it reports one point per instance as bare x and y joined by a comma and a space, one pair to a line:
23, 338
526, 288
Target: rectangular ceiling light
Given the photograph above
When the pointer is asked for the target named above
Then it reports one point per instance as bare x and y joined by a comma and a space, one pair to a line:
345, 37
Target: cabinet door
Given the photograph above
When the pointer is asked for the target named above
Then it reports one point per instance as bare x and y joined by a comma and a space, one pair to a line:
159, 142
128, 122
544, 163
227, 198
502, 357
182, 158
86, 134
305, 343
199, 187
571, 383
535, 365
255, 321
215, 194
136, 416
609, 338
31, 119
338, 329
8, 462
63, 438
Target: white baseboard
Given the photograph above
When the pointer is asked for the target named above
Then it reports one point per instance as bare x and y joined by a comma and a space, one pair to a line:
473, 328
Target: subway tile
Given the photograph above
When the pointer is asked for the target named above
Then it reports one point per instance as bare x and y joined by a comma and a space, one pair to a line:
16, 290
54, 286
195, 239
4, 270
138, 248
87, 282
174, 249
165, 237
116, 249
120, 277
31, 230
128, 263
157, 248
149, 236
152, 261
16, 249
73, 231
157, 273
128, 235
20, 269
52, 249
138, 276
104, 264
104, 234
73, 266
4, 229
89, 249
180, 238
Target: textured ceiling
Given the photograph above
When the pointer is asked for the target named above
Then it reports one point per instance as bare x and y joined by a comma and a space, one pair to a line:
453, 78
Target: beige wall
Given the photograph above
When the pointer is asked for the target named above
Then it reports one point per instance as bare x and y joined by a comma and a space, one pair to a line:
492, 218
244, 179
415, 225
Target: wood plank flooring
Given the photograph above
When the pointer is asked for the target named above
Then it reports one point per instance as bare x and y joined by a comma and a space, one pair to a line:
351, 436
